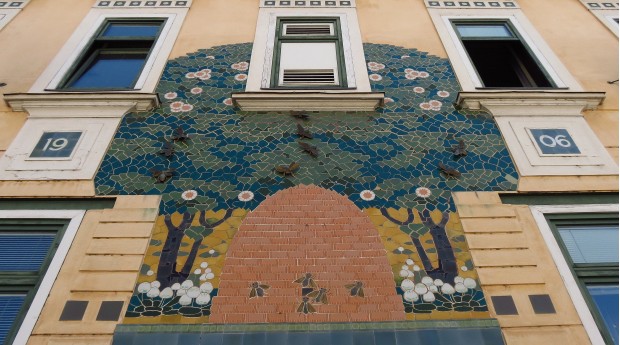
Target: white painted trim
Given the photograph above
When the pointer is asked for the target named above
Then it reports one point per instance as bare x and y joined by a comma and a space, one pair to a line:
70, 52
560, 261
464, 69
6, 15
34, 311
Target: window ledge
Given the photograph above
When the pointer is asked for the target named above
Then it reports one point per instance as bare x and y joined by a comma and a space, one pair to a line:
528, 103
308, 100
72, 104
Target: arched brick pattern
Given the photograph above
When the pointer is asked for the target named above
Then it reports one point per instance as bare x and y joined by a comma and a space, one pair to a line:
298, 230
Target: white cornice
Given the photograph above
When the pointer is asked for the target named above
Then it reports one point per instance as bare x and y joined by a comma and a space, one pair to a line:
114, 104
310, 101
529, 103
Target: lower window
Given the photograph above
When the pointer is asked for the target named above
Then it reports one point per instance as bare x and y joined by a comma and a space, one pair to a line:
27, 247
590, 245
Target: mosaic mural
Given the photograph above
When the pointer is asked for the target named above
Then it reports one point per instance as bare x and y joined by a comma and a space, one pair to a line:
212, 164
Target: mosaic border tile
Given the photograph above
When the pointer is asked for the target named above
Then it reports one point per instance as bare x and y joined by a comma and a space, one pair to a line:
306, 3
486, 4
142, 3
600, 5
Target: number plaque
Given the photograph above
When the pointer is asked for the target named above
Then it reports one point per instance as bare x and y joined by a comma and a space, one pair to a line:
554, 141
56, 145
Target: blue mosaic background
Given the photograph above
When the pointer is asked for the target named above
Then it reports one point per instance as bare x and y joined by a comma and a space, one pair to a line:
392, 152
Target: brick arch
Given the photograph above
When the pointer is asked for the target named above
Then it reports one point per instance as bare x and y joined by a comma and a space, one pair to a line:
306, 229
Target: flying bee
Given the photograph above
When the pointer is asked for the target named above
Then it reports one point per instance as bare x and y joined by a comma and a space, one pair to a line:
305, 306
287, 170
179, 135
303, 133
319, 296
460, 150
162, 175
356, 288
300, 115
448, 170
311, 150
168, 149
258, 290
306, 281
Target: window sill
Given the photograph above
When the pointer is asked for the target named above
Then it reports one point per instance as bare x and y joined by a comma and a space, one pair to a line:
309, 100
528, 103
85, 104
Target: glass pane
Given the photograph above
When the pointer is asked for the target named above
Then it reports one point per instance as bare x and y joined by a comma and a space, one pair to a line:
24, 252
9, 308
591, 243
136, 30
484, 30
111, 70
606, 299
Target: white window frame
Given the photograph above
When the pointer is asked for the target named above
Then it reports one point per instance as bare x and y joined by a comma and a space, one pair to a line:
560, 261
66, 59
464, 68
34, 311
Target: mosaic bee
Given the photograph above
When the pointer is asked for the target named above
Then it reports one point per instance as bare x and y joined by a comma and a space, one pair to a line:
449, 171
303, 133
460, 149
300, 115
162, 175
287, 170
312, 150
306, 281
319, 296
168, 149
258, 290
356, 288
305, 306
179, 135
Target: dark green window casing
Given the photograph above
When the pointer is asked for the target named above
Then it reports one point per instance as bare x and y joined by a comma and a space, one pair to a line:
500, 56
588, 274
115, 57
282, 37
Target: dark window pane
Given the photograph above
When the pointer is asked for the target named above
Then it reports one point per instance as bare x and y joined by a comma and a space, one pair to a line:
591, 243
10, 304
111, 70
24, 252
136, 30
606, 299
483, 30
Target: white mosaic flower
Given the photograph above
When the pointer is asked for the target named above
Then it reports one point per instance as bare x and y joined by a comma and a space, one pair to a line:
411, 274
166, 293
409, 262
175, 286
401, 249
212, 251
470, 283
203, 299
204, 264
411, 296
170, 95
185, 300
367, 195
407, 285
187, 284
193, 292
429, 297
460, 287
433, 288
464, 268
447, 289
203, 277
428, 281
404, 273
150, 273
420, 289
404, 267
144, 287
197, 271
458, 279
207, 270
153, 292
206, 287
416, 268
423, 192
245, 196
155, 284
438, 282
210, 275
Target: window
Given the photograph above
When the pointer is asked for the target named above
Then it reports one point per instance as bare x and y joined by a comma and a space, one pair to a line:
27, 247
500, 56
115, 57
308, 54
590, 245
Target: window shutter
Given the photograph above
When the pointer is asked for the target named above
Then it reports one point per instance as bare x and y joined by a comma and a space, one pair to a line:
10, 305
305, 29
591, 244
24, 251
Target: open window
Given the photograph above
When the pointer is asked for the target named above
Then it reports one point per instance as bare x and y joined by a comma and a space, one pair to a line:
308, 54
116, 55
500, 56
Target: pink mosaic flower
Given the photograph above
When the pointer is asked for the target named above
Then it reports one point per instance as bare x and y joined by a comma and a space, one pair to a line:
418, 89
196, 90
425, 106
423, 192
241, 77
375, 66
408, 70
424, 74
228, 101
206, 76
240, 66
387, 100
211, 57
443, 94
367, 195
435, 105
170, 95
187, 107
189, 195
375, 77
405, 56
190, 75
245, 196
176, 105
202, 74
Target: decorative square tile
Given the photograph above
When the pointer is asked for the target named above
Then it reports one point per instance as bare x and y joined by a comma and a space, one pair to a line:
73, 311
504, 305
542, 304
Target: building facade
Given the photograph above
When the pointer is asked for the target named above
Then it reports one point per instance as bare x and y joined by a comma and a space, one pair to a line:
308, 172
